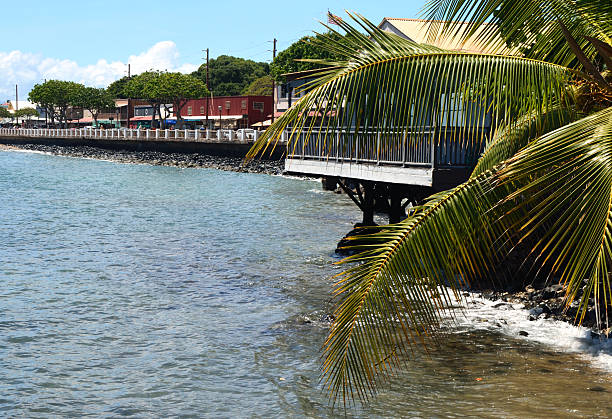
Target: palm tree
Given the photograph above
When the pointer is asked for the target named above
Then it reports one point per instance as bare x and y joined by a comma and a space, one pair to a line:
543, 185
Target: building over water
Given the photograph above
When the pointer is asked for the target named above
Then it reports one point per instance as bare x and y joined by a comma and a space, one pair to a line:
401, 162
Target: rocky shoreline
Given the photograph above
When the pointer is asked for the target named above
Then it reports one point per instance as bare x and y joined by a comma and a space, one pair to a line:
184, 160
548, 302
542, 300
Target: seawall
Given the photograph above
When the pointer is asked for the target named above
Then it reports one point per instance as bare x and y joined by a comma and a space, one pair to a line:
222, 149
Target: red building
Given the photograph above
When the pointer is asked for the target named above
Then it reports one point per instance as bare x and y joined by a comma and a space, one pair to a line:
229, 111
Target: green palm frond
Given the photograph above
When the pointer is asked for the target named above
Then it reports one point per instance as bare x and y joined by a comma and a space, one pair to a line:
394, 298
508, 140
530, 26
404, 282
567, 194
402, 89
561, 183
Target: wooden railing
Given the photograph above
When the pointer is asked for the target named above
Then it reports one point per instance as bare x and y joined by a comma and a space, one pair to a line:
239, 136
430, 147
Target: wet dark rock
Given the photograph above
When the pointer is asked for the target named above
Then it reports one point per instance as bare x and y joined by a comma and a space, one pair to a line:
343, 247
523, 333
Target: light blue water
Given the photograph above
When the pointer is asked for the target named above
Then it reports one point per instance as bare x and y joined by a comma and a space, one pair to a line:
157, 291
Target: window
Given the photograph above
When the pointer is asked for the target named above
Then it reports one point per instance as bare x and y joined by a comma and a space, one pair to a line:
243, 104
228, 104
258, 106
201, 110
189, 110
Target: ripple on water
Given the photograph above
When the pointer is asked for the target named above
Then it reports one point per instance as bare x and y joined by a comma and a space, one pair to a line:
152, 291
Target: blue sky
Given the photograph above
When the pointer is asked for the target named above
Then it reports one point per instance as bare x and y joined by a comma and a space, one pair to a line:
92, 42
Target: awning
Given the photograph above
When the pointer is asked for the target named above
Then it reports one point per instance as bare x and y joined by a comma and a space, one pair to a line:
265, 123
211, 117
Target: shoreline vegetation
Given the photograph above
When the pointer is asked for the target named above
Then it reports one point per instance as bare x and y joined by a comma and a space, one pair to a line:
541, 300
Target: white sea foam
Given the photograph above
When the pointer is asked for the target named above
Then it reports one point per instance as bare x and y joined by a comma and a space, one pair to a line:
306, 178
21, 150
512, 319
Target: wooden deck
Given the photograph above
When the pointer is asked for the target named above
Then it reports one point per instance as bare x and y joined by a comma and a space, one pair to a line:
431, 158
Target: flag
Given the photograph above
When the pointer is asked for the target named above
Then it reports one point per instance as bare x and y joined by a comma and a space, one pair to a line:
333, 19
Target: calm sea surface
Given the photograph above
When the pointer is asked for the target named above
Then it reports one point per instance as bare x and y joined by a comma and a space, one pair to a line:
158, 292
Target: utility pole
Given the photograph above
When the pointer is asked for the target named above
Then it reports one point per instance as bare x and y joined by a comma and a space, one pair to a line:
46, 113
273, 83
209, 92
129, 101
17, 102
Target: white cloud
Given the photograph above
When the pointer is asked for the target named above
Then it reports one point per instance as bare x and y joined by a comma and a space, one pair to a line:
26, 69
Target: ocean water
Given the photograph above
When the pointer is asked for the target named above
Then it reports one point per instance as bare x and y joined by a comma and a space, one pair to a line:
146, 291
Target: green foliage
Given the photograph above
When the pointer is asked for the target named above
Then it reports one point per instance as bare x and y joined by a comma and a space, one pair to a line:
177, 87
529, 26
159, 88
543, 184
260, 87
4, 113
56, 96
117, 88
307, 48
407, 71
230, 76
26, 113
143, 86
95, 100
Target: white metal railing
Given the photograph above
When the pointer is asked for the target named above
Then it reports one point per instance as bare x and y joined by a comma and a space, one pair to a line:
198, 135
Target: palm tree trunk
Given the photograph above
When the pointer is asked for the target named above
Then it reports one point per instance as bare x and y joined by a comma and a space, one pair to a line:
586, 63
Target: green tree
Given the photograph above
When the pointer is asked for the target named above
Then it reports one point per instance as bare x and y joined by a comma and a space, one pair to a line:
95, 100
230, 76
159, 89
117, 88
307, 48
4, 113
43, 96
178, 89
144, 86
260, 87
26, 113
56, 96
543, 185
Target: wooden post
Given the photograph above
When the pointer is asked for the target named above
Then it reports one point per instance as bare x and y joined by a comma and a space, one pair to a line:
396, 211
368, 203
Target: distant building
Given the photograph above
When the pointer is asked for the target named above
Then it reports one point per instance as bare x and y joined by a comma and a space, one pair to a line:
228, 112
418, 30
289, 92
13, 106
